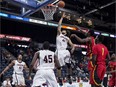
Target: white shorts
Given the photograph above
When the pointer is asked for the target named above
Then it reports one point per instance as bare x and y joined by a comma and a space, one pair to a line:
63, 56
45, 76
18, 79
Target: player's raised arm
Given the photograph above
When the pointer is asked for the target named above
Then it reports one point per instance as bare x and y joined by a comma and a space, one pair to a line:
80, 30
59, 24
9, 66
36, 55
81, 40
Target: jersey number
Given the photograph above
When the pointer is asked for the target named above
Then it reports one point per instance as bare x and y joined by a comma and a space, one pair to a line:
20, 67
48, 59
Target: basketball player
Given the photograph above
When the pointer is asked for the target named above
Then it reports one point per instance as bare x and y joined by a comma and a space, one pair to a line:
100, 55
62, 41
47, 62
19, 66
90, 42
112, 66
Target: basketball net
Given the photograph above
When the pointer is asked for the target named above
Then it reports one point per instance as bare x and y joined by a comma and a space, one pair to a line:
48, 11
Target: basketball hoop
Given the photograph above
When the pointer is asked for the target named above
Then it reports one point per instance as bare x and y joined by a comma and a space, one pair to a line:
48, 11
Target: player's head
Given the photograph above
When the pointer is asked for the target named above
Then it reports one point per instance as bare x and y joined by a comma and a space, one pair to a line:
20, 57
90, 33
99, 39
46, 45
66, 32
113, 56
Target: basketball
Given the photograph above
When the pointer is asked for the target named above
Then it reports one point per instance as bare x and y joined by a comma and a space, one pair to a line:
61, 4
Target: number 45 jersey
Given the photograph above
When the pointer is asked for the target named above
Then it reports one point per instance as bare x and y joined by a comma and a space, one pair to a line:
46, 59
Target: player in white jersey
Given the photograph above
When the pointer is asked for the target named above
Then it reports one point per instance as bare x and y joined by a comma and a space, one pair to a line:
18, 66
47, 62
62, 41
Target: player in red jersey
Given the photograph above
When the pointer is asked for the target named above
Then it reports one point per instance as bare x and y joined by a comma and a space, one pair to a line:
99, 57
112, 67
90, 42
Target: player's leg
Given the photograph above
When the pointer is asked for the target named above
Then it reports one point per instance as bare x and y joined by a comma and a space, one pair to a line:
60, 55
67, 60
61, 61
59, 71
98, 74
94, 78
15, 80
51, 79
21, 81
39, 79
69, 69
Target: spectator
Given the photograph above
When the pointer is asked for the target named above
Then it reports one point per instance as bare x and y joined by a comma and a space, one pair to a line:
8, 58
6, 82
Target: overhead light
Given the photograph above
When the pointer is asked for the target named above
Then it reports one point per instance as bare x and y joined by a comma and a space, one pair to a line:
97, 33
111, 35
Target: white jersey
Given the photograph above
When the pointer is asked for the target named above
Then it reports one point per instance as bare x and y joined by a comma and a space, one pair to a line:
18, 67
46, 59
61, 42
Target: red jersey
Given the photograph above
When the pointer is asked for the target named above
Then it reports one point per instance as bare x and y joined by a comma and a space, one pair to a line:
101, 51
90, 46
112, 81
112, 66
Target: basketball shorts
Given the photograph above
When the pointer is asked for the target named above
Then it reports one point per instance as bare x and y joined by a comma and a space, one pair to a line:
18, 79
97, 74
63, 56
90, 65
45, 76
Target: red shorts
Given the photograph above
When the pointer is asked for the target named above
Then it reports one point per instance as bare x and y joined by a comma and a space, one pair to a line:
97, 74
90, 65
112, 81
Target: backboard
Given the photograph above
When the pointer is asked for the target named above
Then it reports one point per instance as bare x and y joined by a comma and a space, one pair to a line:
30, 6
